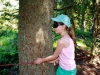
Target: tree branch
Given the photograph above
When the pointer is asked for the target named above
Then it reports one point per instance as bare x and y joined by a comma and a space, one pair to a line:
67, 7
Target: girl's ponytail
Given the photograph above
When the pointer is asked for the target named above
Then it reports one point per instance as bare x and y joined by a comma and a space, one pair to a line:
71, 33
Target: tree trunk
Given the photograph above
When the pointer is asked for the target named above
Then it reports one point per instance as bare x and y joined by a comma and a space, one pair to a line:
96, 34
83, 10
35, 36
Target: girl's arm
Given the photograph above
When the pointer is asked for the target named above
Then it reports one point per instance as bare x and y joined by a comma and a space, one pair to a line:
55, 62
52, 57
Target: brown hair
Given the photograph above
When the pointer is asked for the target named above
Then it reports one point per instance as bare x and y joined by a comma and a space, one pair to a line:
71, 33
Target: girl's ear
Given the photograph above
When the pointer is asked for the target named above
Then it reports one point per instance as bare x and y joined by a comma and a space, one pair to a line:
64, 26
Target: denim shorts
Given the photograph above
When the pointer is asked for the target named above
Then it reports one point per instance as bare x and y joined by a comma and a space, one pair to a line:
61, 71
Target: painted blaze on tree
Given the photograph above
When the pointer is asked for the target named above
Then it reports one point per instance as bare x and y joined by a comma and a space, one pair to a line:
35, 35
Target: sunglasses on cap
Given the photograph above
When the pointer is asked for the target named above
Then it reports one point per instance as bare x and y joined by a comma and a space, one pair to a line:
56, 24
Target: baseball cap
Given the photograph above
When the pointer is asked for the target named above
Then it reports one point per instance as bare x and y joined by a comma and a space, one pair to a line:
62, 18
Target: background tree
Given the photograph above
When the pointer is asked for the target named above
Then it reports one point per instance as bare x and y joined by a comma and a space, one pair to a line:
96, 27
35, 35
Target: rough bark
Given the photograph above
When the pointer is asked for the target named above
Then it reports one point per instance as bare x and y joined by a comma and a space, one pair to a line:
96, 34
35, 35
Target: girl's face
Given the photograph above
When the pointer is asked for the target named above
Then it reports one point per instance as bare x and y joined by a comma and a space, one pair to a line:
58, 27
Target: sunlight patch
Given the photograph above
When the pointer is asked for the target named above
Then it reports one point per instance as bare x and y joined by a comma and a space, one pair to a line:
81, 44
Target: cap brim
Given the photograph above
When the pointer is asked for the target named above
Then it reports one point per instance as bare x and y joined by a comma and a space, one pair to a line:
55, 19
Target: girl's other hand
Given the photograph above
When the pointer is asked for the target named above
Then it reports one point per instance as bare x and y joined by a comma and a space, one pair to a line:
38, 61
55, 62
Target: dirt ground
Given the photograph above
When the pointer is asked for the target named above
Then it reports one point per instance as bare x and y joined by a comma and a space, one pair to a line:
87, 65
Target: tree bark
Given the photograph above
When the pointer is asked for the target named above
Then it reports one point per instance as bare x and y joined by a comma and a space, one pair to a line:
35, 35
96, 34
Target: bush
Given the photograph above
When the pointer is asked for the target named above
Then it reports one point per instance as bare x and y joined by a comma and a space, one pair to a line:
8, 50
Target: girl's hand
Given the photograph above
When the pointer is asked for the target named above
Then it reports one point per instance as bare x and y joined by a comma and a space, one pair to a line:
38, 61
55, 62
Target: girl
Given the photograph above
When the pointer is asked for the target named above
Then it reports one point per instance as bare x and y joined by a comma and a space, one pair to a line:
65, 47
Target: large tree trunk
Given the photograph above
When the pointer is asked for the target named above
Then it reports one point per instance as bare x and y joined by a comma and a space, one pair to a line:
35, 35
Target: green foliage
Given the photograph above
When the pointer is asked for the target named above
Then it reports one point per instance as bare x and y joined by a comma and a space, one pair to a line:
8, 49
84, 39
58, 0
8, 37
82, 34
5, 71
83, 14
55, 38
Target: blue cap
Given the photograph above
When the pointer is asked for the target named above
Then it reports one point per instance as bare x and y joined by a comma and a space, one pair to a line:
62, 18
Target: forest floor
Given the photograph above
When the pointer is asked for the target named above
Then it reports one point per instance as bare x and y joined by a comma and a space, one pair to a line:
87, 65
